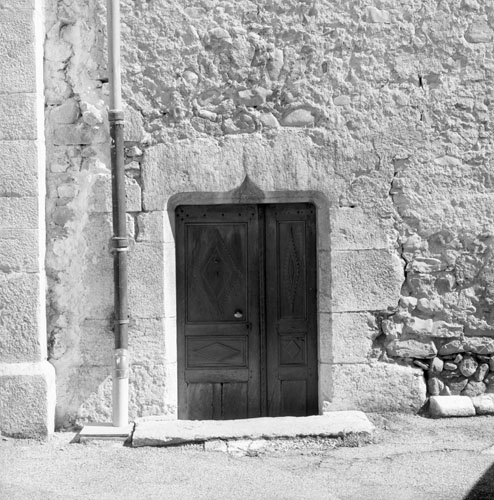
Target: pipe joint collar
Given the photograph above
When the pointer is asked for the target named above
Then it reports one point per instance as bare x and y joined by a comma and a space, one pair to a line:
116, 116
121, 363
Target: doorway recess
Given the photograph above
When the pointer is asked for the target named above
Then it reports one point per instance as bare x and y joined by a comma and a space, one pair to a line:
247, 310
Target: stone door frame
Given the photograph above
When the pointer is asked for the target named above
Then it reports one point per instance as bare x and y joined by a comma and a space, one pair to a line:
249, 193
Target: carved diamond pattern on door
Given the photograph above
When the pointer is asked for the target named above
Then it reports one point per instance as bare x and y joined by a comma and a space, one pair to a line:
216, 270
292, 350
216, 352
292, 271
246, 305
219, 272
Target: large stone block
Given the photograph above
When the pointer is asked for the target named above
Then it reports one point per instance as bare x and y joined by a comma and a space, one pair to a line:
21, 332
15, 5
18, 168
451, 406
353, 229
170, 280
19, 250
324, 281
185, 166
146, 342
147, 389
17, 49
146, 277
151, 227
27, 399
352, 337
97, 272
134, 127
19, 117
375, 387
287, 162
97, 343
20, 213
367, 280
412, 348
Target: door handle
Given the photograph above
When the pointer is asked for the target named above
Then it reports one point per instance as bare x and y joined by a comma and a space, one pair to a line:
238, 314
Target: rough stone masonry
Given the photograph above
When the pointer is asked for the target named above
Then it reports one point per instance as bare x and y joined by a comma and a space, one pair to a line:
382, 109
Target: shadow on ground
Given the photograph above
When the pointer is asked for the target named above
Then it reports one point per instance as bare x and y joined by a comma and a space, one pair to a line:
484, 487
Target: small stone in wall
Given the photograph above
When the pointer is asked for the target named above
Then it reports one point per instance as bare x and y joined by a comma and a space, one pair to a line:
421, 364
190, 77
253, 97
342, 100
446, 391
91, 114
429, 306
426, 265
275, 64
437, 365
374, 15
481, 372
473, 389
468, 366
68, 112
480, 345
62, 215
133, 152
479, 32
298, 118
491, 364
484, 404
418, 326
412, 349
76, 134
450, 366
269, 121
457, 384
435, 386
452, 347
408, 302
490, 386
441, 329
471, 4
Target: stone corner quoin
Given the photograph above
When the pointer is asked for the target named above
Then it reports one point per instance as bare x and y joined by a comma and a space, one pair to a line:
27, 380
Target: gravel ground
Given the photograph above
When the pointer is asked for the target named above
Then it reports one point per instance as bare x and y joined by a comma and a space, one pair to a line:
410, 457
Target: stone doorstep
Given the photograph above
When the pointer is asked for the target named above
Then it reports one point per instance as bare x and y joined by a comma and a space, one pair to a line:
176, 432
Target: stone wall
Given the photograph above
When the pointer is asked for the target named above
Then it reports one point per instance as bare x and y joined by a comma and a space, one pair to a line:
27, 380
383, 108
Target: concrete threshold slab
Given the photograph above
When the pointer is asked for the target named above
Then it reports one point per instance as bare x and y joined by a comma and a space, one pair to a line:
104, 432
174, 432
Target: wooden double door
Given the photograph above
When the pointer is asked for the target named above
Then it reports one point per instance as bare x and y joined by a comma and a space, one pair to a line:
246, 304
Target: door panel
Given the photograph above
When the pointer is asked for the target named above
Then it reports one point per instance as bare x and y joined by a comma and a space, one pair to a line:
218, 311
291, 310
246, 304
217, 271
